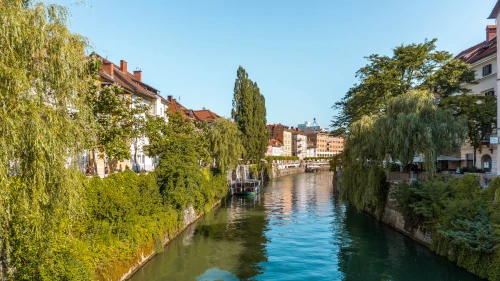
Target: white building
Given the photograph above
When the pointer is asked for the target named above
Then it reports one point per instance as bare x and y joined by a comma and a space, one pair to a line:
483, 60
135, 88
299, 143
275, 148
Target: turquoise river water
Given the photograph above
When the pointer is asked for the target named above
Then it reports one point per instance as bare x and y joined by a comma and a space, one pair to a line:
295, 230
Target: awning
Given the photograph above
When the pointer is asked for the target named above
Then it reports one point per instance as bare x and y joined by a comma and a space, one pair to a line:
418, 159
448, 158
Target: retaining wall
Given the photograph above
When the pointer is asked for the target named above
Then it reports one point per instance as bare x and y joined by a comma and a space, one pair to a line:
189, 218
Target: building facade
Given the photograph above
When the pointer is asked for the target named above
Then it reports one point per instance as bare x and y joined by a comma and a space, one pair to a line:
495, 14
275, 148
134, 88
483, 60
299, 143
326, 145
284, 135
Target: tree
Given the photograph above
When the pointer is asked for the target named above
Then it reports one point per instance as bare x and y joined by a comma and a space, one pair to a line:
249, 113
138, 116
179, 146
412, 124
411, 67
45, 78
111, 109
225, 144
480, 113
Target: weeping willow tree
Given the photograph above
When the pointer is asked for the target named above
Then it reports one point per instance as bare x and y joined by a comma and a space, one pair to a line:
225, 144
45, 77
412, 124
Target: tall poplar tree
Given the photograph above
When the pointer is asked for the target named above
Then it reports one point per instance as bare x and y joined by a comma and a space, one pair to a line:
249, 113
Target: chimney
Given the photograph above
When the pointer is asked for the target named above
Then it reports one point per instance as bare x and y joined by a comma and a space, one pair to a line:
108, 68
123, 66
491, 32
169, 98
138, 75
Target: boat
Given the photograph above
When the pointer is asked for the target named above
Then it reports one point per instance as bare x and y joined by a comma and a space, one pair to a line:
248, 187
313, 169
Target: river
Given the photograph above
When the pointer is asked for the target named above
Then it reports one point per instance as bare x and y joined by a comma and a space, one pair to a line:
295, 230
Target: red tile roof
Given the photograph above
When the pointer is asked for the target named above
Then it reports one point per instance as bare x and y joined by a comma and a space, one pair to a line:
275, 143
479, 51
128, 81
195, 115
205, 115
297, 131
175, 107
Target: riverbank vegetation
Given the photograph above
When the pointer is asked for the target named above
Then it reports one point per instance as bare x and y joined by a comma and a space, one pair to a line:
395, 112
56, 223
405, 106
462, 217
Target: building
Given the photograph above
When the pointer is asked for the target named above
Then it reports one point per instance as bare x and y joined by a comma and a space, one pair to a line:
203, 115
483, 60
299, 143
284, 135
495, 14
326, 145
312, 150
308, 125
134, 88
275, 148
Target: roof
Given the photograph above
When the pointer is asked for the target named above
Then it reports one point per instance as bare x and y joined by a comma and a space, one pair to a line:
495, 11
297, 131
189, 114
275, 143
175, 107
127, 81
205, 115
479, 51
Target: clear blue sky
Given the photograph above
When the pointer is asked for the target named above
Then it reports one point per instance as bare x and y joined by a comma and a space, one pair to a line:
302, 54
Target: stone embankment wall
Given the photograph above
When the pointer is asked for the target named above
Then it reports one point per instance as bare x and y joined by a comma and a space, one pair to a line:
394, 218
286, 172
189, 217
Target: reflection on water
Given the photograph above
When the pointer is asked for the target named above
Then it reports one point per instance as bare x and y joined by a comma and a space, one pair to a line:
295, 230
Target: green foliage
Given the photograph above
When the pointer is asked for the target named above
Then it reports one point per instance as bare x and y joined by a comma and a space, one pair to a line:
463, 218
480, 113
225, 144
366, 191
411, 125
45, 79
249, 113
464, 170
55, 223
317, 158
411, 67
110, 109
183, 178
422, 203
138, 119
271, 159
125, 213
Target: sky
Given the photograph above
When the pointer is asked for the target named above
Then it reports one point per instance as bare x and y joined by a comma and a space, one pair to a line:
302, 54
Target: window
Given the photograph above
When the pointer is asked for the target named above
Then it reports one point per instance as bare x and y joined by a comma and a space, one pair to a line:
490, 93
470, 160
487, 70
